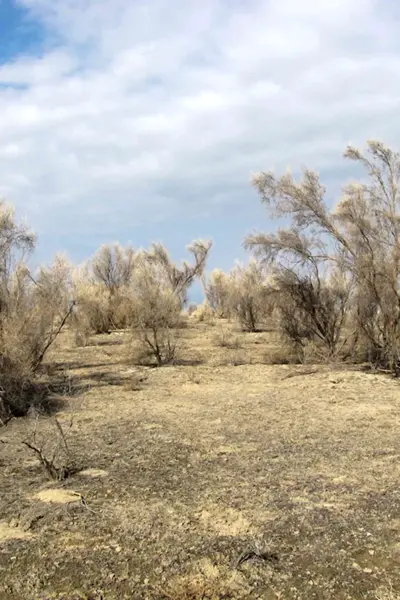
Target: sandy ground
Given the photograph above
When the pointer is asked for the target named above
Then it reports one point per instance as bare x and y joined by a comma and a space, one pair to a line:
220, 477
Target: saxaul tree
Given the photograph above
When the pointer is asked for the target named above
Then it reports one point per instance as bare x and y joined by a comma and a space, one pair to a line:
101, 290
180, 278
33, 312
340, 267
250, 295
17, 243
159, 292
217, 289
112, 266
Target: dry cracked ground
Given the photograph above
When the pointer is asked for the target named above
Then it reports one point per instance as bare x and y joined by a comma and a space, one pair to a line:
220, 477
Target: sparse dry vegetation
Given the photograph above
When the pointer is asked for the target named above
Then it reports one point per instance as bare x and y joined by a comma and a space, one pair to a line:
226, 338
32, 314
218, 293
48, 441
333, 263
250, 295
235, 471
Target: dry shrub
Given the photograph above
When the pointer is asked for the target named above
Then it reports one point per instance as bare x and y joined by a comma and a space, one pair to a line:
356, 245
157, 316
96, 312
191, 309
48, 441
225, 338
159, 293
312, 312
250, 297
179, 279
112, 266
101, 289
203, 314
218, 293
284, 355
33, 311
105, 289
91, 314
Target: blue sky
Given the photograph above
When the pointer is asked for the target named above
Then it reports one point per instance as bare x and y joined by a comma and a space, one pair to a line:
144, 120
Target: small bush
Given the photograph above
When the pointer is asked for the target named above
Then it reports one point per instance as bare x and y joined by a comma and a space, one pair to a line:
224, 338
101, 288
33, 311
218, 290
158, 296
282, 356
204, 314
191, 309
48, 441
250, 296
157, 316
135, 382
81, 337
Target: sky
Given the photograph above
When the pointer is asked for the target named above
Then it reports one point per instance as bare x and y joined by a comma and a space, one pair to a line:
143, 120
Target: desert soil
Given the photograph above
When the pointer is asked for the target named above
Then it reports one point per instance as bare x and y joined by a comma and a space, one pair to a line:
219, 477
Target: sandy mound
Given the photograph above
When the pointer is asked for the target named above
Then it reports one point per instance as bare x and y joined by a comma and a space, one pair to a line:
58, 496
8, 533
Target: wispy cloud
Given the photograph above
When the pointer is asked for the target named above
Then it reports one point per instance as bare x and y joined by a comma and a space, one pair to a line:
139, 110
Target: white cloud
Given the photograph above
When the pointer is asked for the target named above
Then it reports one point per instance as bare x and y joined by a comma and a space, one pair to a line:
141, 108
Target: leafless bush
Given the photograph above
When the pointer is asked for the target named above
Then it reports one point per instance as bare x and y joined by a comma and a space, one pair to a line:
218, 293
204, 314
250, 298
91, 314
191, 309
101, 289
33, 311
360, 240
113, 266
225, 338
284, 355
50, 446
157, 315
179, 279
312, 310
158, 294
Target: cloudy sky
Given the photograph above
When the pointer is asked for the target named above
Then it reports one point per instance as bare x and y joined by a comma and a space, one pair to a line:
141, 120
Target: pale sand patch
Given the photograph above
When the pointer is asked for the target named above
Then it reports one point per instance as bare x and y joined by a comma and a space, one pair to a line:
94, 473
227, 450
8, 533
31, 462
58, 496
72, 541
149, 426
225, 521
206, 567
207, 580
